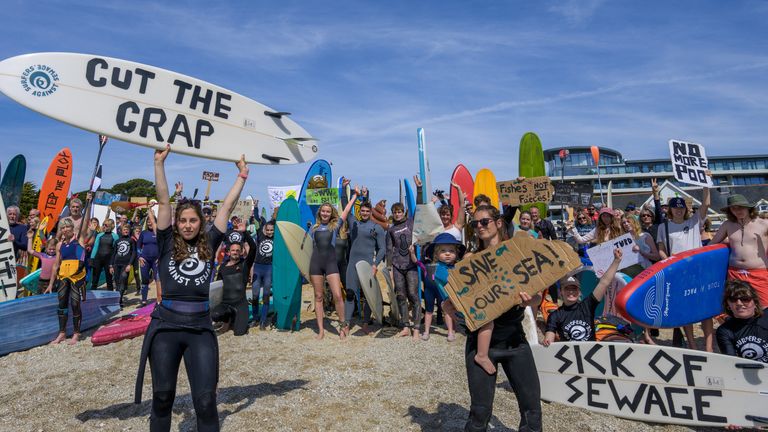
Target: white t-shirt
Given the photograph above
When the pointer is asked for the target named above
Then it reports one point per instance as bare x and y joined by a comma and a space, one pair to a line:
455, 232
682, 237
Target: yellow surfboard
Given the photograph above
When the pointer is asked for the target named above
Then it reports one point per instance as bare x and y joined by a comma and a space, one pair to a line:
485, 184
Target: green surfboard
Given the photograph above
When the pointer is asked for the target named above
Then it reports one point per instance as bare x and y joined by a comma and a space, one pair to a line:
13, 181
286, 279
531, 164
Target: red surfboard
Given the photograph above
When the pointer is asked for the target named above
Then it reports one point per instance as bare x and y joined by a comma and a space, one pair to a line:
462, 177
126, 327
53, 194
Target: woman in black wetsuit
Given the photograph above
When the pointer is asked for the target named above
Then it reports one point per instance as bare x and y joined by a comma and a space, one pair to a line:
745, 333
508, 347
181, 322
324, 266
233, 310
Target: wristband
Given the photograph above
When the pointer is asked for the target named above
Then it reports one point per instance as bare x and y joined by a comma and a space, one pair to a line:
244, 176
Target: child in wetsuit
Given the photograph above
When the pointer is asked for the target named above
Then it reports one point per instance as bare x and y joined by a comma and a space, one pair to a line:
446, 250
47, 260
574, 320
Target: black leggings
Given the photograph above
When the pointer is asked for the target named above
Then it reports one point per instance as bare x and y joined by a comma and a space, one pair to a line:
121, 279
70, 292
97, 265
201, 361
235, 315
519, 366
407, 291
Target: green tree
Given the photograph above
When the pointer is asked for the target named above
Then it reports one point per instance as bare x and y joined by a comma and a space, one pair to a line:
134, 188
29, 196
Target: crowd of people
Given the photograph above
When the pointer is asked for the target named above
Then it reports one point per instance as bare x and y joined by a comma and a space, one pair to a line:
187, 245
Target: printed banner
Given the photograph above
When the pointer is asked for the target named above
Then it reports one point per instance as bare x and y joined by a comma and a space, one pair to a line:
106, 198
426, 224
689, 163
527, 191
602, 254
573, 194
488, 283
278, 193
324, 195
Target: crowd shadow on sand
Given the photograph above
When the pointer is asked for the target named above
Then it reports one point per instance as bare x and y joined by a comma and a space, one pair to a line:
245, 396
448, 417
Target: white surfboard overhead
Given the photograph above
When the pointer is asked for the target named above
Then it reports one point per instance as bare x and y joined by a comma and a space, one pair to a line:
654, 383
152, 107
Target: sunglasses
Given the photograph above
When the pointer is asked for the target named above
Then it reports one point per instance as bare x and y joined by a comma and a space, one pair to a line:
482, 222
646, 215
744, 300
581, 218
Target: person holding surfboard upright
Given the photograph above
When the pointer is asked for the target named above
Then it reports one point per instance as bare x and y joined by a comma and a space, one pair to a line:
323, 265
508, 344
747, 237
681, 232
70, 270
181, 323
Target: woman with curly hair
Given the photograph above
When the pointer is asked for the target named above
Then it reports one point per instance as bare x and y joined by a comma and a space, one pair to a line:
181, 322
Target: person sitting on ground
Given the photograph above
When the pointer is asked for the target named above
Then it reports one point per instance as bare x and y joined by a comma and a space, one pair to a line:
745, 333
747, 238
574, 320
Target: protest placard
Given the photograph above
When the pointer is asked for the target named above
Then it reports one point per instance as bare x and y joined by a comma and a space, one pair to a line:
527, 191
210, 176
426, 224
602, 254
243, 209
573, 194
488, 283
278, 193
105, 198
323, 195
689, 163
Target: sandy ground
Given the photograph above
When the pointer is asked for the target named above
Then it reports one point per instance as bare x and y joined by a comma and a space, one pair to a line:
274, 381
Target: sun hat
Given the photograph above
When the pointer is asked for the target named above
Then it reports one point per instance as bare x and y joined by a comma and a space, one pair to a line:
606, 210
737, 200
446, 238
569, 281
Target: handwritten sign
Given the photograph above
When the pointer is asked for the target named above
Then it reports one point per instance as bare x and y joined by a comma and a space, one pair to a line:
689, 163
574, 194
527, 191
278, 193
602, 254
243, 209
323, 195
488, 283
210, 176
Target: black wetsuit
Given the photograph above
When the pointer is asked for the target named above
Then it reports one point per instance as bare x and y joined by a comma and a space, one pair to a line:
745, 338
123, 255
181, 328
574, 322
323, 261
72, 287
234, 304
101, 257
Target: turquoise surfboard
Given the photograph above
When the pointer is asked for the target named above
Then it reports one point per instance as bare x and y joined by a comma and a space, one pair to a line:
13, 181
286, 279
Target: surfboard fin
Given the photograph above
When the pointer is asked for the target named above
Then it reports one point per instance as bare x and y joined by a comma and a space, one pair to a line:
273, 159
749, 366
757, 419
276, 114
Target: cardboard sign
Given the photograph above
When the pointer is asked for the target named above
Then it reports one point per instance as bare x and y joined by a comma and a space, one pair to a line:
323, 195
573, 194
278, 193
426, 224
689, 163
243, 209
488, 283
210, 176
602, 254
527, 191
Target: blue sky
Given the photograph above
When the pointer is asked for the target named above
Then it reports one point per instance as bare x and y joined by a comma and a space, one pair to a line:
363, 75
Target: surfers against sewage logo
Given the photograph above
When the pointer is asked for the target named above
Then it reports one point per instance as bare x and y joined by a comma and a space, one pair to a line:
39, 80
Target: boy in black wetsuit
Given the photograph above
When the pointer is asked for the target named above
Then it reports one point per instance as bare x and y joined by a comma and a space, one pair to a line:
575, 319
123, 256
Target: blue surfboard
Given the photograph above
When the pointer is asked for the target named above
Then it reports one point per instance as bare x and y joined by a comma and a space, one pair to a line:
681, 290
307, 212
410, 198
424, 166
286, 279
32, 321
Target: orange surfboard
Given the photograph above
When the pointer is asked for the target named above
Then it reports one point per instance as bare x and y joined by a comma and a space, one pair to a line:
55, 190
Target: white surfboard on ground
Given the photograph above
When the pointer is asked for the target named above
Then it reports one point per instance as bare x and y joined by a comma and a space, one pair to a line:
152, 107
654, 383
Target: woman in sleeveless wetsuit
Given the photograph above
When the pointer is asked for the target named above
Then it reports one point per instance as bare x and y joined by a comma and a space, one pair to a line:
181, 322
70, 271
233, 310
323, 265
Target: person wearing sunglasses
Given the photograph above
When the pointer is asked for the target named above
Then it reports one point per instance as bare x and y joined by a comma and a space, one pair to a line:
181, 326
745, 333
509, 347
607, 228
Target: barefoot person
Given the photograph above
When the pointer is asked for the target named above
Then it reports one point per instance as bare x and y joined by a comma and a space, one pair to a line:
404, 271
508, 340
181, 323
324, 267
747, 237
70, 269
